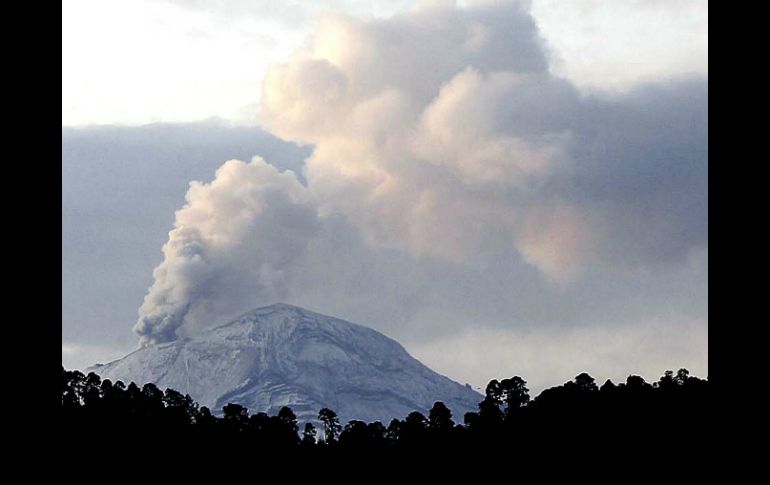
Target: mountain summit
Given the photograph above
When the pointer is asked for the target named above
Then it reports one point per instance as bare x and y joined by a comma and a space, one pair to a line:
283, 355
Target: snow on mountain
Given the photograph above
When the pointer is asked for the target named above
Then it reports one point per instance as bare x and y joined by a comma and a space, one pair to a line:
282, 355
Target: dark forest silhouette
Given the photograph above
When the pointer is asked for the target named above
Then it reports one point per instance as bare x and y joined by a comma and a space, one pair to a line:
632, 425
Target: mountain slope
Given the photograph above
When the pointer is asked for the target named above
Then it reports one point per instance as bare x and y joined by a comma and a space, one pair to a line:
282, 355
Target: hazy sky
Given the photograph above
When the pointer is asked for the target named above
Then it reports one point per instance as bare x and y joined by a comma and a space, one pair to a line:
505, 188
182, 60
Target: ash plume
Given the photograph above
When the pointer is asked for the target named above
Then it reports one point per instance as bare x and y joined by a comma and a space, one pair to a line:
439, 136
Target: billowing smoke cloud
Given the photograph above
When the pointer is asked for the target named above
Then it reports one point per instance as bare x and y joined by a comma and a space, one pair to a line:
250, 214
440, 140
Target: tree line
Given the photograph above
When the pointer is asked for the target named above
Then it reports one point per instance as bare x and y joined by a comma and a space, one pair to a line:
579, 420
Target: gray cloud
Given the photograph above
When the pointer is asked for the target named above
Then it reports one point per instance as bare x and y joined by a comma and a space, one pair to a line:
641, 163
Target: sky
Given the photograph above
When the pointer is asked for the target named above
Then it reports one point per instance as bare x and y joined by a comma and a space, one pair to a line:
506, 188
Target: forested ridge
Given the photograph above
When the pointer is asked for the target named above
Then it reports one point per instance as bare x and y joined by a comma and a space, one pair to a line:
632, 424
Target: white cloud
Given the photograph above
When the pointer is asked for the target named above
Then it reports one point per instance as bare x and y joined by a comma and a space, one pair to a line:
615, 45
418, 138
147, 61
182, 60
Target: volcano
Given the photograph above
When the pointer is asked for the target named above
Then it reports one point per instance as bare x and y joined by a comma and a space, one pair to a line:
283, 355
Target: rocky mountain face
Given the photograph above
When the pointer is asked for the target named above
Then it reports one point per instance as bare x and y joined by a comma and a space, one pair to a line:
282, 355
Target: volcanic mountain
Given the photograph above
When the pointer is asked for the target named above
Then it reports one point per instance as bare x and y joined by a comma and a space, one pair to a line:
282, 355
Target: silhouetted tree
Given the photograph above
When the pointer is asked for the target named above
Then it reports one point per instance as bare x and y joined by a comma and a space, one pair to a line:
354, 435
682, 376
413, 429
308, 435
205, 420
235, 416
287, 429
393, 431
259, 423
494, 391
180, 409
377, 433
636, 383
489, 414
585, 383
91, 390
288, 418
440, 417
471, 419
331, 424
608, 386
514, 393
666, 381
